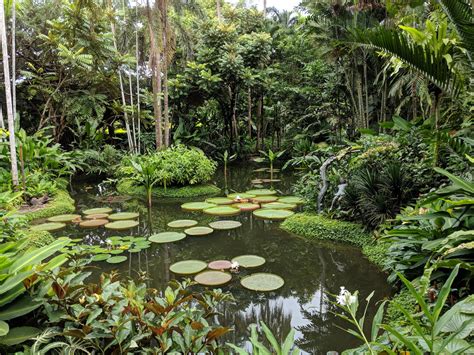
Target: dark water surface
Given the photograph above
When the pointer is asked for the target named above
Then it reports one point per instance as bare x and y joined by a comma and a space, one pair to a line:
311, 270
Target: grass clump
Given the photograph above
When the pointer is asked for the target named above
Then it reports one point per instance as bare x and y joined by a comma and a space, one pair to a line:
314, 226
128, 187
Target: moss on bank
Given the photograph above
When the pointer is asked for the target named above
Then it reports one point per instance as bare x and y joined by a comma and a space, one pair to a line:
314, 226
128, 188
376, 252
61, 203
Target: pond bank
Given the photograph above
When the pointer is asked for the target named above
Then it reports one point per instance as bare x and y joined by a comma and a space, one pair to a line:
127, 187
61, 203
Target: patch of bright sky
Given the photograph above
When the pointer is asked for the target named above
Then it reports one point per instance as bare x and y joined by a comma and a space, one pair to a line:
279, 4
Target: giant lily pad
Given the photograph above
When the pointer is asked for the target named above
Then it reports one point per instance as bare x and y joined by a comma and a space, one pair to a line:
183, 223
225, 225
241, 195
166, 237
197, 206
213, 278
264, 199
97, 216
247, 206
64, 218
122, 216
48, 227
188, 267
93, 223
222, 211
291, 199
272, 214
279, 206
198, 231
101, 257
98, 210
121, 225
220, 200
219, 265
116, 259
262, 282
249, 261
261, 192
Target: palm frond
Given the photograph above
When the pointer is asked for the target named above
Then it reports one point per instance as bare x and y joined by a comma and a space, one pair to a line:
461, 14
420, 58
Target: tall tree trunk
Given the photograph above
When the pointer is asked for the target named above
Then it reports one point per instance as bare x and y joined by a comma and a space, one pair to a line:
14, 57
166, 55
137, 52
264, 7
249, 111
8, 95
134, 135
366, 90
218, 9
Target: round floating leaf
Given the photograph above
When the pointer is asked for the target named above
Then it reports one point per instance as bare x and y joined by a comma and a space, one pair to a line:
241, 195
188, 267
4, 328
220, 200
48, 227
198, 231
219, 265
272, 214
98, 210
101, 257
291, 199
122, 216
135, 250
271, 180
279, 205
213, 278
197, 206
222, 211
93, 223
262, 282
264, 199
120, 225
116, 259
261, 192
247, 206
64, 218
97, 216
166, 237
182, 223
116, 251
225, 225
249, 261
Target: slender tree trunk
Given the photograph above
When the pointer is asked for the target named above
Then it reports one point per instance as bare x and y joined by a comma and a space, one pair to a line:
264, 7
2, 122
166, 54
134, 135
249, 111
218, 9
138, 81
437, 109
366, 90
8, 95
14, 57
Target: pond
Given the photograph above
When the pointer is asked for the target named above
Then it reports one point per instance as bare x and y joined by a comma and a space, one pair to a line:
312, 271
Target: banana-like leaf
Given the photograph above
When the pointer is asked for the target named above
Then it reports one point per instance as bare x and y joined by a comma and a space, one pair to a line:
19, 308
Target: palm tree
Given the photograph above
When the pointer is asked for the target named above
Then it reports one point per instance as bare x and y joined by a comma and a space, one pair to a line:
8, 93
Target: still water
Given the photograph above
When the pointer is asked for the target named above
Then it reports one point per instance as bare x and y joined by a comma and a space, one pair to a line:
312, 271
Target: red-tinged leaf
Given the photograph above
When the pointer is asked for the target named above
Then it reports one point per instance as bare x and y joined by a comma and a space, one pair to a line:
58, 290
197, 325
216, 333
75, 333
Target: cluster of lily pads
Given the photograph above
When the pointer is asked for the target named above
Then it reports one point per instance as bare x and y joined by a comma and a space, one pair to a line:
92, 218
263, 203
216, 273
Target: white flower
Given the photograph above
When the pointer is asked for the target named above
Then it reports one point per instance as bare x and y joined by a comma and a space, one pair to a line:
345, 298
234, 265
108, 241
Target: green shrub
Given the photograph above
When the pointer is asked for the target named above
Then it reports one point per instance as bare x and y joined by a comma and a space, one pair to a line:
97, 162
127, 187
376, 253
393, 315
314, 226
35, 239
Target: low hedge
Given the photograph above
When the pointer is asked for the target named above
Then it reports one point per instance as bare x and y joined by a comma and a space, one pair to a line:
61, 203
127, 187
314, 226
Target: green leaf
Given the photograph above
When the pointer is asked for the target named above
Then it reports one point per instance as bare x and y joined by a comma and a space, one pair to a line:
461, 183
288, 343
377, 321
19, 308
19, 335
444, 293
271, 338
4, 328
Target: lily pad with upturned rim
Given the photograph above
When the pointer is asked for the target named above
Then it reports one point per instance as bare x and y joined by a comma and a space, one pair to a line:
264, 199
198, 231
242, 195
97, 216
279, 206
262, 192
213, 278
98, 210
225, 225
48, 227
188, 267
116, 259
219, 265
220, 200
249, 261
64, 218
263, 282
197, 206
121, 225
295, 200
123, 216
93, 223
247, 206
222, 211
166, 237
182, 223
272, 214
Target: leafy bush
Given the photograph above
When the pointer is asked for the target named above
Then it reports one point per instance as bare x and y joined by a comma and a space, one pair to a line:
175, 166
100, 162
313, 226
127, 187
